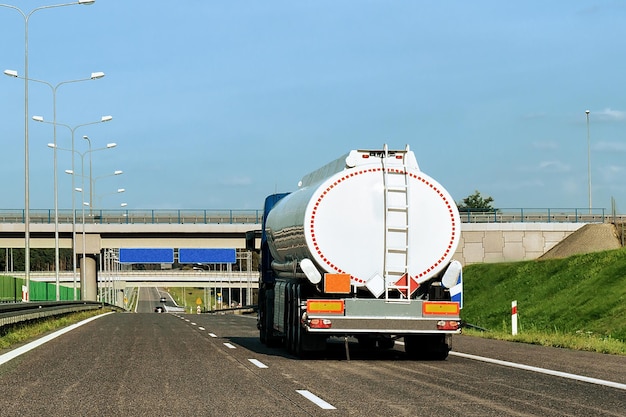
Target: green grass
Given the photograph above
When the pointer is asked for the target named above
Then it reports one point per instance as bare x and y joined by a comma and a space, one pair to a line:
23, 332
582, 298
190, 295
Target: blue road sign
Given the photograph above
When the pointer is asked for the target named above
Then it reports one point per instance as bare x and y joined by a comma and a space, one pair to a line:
206, 256
146, 255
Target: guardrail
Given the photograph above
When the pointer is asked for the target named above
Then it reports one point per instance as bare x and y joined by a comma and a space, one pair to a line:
12, 313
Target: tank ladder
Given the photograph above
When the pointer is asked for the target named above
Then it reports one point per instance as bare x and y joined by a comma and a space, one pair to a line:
396, 223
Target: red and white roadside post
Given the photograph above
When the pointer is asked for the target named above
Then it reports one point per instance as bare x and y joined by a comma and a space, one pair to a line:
514, 317
24, 293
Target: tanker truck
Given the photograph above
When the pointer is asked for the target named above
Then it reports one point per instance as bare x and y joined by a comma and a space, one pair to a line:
363, 249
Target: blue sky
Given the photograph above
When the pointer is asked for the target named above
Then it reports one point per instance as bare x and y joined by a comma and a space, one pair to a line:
216, 104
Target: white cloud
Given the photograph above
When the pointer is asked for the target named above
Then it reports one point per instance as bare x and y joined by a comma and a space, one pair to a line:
609, 114
612, 172
609, 146
554, 166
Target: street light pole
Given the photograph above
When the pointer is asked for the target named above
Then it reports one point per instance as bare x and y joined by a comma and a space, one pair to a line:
94, 180
26, 17
72, 131
82, 190
588, 158
94, 76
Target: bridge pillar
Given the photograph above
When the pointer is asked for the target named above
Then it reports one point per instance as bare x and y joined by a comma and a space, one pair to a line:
87, 251
88, 278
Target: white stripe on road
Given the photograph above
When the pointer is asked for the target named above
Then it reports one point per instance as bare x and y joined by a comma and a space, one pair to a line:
258, 363
21, 350
193, 324
201, 328
212, 335
229, 346
315, 399
542, 370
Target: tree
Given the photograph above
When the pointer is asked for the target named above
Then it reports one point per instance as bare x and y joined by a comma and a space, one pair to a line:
476, 202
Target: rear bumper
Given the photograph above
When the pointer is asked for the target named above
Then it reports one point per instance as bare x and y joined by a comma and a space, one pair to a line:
379, 316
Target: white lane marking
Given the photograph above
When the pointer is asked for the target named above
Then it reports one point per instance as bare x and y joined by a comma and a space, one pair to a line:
193, 324
315, 399
212, 335
201, 328
32, 345
258, 363
542, 370
229, 346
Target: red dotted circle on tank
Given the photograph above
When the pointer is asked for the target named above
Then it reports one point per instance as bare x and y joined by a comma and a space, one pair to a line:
411, 175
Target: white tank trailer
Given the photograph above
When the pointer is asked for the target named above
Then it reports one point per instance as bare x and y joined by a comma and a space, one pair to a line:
362, 249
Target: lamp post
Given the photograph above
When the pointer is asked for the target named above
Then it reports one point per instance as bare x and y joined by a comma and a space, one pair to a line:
26, 17
94, 180
94, 76
91, 179
588, 159
118, 191
81, 190
72, 131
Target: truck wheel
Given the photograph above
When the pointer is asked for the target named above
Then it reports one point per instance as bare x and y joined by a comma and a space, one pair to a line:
270, 339
294, 319
297, 328
261, 318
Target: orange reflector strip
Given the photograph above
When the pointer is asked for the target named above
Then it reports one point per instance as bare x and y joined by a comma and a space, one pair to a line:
440, 308
325, 306
337, 283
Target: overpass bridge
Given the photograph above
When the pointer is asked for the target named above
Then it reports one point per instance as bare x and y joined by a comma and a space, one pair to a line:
489, 236
225, 228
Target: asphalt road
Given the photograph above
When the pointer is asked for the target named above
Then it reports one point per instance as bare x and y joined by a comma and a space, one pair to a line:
150, 364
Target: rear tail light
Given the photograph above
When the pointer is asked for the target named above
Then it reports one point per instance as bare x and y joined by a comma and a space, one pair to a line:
320, 324
447, 325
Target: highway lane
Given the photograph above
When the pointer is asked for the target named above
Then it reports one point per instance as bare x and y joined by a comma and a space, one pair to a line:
148, 298
190, 365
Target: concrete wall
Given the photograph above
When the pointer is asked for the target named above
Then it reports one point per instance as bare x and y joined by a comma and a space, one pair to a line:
509, 242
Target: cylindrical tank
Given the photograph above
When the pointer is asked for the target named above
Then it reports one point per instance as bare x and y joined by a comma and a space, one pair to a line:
365, 214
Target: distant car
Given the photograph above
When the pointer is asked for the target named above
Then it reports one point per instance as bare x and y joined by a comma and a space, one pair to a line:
159, 309
163, 300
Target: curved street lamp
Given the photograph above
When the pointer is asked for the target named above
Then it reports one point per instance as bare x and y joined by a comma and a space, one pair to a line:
54, 88
81, 190
588, 159
72, 130
26, 17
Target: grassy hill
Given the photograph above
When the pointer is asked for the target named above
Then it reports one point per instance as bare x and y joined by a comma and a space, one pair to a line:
579, 295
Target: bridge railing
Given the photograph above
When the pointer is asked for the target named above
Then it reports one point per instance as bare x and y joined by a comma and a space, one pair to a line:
148, 275
137, 216
210, 216
540, 215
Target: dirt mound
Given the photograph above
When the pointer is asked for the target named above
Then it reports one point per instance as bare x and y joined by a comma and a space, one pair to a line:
589, 238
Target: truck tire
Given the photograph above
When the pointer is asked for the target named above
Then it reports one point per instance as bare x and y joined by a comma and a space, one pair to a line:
271, 340
261, 317
289, 319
